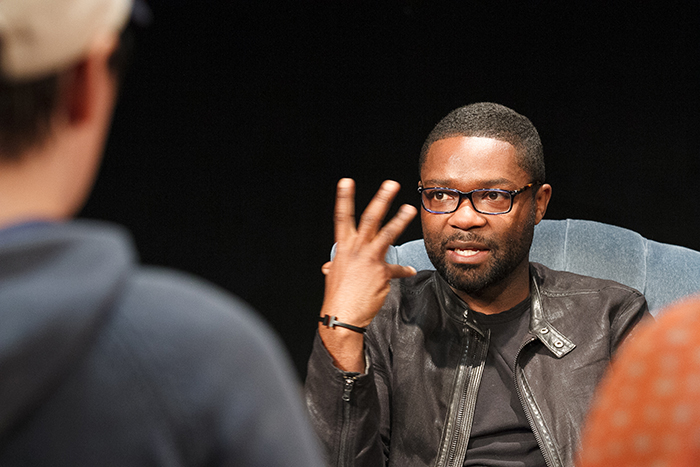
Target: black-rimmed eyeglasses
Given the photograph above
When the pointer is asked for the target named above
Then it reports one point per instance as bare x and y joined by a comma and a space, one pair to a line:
439, 200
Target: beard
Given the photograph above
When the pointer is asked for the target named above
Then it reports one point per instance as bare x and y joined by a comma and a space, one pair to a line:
507, 253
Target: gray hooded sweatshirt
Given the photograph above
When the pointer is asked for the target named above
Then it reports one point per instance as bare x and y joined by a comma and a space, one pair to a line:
105, 362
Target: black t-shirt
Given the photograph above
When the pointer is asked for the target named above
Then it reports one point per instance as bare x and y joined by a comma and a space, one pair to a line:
501, 435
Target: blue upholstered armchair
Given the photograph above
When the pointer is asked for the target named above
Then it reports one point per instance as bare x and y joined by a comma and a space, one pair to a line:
662, 272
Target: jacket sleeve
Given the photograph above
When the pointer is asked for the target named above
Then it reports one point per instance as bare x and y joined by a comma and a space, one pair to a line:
348, 411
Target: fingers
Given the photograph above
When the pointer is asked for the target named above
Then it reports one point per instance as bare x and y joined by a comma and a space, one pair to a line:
372, 217
391, 231
344, 209
369, 232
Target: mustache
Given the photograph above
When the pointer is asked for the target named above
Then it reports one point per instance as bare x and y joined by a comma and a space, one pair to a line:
468, 237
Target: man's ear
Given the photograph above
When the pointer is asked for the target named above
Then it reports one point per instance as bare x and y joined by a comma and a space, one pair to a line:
542, 201
90, 83
77, 93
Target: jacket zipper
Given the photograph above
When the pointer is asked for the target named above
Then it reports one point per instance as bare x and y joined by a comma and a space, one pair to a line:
459, 438
548, 456
458, 423
345, 429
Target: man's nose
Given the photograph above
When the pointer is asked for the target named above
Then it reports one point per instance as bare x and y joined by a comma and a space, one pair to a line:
466, 217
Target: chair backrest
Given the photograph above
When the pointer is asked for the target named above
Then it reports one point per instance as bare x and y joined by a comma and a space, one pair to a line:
662, 272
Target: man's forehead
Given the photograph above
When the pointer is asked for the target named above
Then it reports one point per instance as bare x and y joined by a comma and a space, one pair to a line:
470, 150
469, 162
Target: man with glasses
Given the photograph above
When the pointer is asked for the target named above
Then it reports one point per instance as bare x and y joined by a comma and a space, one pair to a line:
490, 359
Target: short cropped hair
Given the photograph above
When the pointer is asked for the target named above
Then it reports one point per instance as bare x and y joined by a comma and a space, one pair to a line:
489, 120
26, 107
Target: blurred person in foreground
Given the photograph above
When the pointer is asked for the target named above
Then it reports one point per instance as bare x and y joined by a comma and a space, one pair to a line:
103, 361
647, 409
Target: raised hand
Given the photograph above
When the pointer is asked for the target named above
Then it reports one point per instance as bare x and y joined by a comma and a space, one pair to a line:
357, 280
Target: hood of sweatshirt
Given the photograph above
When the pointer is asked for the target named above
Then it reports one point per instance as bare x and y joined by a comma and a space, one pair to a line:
58, 282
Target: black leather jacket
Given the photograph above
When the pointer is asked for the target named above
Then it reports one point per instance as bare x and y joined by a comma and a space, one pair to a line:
425, 353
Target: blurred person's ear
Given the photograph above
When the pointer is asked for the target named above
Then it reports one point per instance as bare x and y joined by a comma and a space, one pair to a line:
90, 86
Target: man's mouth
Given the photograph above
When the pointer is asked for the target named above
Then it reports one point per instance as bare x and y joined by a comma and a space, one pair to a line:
466, 252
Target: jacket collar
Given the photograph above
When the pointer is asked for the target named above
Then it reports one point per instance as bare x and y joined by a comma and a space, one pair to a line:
453, 306
540, 326
554, 340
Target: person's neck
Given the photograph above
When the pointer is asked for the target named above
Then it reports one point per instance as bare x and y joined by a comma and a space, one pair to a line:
501, 296
28, 191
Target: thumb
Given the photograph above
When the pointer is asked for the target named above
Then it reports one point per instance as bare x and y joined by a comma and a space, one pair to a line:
325, 269
397, 271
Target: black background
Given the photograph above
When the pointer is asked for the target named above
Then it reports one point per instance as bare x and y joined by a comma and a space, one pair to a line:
237, 119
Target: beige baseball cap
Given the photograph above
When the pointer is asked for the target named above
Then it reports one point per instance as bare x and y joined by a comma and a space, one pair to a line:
40, 37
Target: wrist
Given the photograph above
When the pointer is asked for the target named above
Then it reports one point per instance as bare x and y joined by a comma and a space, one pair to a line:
332, 322
345, 347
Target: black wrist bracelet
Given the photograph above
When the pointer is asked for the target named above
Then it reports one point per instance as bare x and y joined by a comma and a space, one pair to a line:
331, 322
